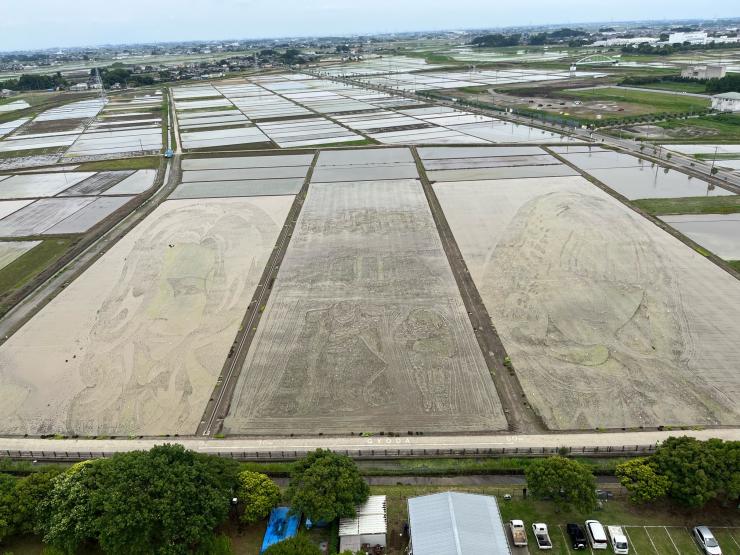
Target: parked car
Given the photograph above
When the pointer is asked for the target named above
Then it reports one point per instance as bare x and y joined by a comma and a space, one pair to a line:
706, 540
618, 539
518, 533
541, 535
596, 534
577, 536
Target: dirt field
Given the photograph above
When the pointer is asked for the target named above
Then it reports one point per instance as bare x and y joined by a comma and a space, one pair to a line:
134, 346
609, 321
365, 330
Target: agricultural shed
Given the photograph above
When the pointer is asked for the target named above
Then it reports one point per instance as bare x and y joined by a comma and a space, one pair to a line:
369, 526
452, 523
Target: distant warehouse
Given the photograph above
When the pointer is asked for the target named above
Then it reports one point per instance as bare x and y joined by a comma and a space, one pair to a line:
726, 102
454, 523
704, 72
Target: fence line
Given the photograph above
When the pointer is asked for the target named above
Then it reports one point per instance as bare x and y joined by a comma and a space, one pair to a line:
360, 453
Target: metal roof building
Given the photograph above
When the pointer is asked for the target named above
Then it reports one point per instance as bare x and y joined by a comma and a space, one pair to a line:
453, 523
726, 102
369, 526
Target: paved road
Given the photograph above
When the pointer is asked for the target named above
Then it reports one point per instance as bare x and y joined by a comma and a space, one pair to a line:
366, 446
642, 89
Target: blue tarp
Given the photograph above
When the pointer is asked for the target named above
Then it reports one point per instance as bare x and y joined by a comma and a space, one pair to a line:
281, 526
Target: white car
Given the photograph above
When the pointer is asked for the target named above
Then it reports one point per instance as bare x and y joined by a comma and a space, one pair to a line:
706, 540
596, 534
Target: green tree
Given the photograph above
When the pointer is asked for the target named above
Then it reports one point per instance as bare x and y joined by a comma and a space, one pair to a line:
297, 545
641, 480
258, 493
31, 492
69, 515
691, 467
326, 485
7, 485
567, 482
166, 500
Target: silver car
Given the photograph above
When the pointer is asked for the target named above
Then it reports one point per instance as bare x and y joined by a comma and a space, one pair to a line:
706, 540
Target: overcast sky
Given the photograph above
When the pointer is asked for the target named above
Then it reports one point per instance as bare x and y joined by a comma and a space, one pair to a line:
27, 24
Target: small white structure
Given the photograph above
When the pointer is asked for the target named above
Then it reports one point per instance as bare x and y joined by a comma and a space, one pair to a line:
369, 526
79, 87
704, 72
726, 102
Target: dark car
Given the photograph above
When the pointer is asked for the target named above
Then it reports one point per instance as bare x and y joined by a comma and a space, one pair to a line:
577, 536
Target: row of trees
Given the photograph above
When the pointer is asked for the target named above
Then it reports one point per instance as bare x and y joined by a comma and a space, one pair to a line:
499, 39
32, 82
685, 470
667, 49
166, 500
111, 76
728, 83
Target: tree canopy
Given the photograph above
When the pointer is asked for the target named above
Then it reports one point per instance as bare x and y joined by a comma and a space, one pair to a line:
166, 500
641, 480
699, 471
566, 482
496, 39
326, 485
258, 494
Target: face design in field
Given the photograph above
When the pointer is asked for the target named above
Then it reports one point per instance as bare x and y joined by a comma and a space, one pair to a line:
160, 324
591, 306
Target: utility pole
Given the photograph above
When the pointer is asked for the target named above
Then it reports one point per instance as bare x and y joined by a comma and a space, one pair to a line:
711, 170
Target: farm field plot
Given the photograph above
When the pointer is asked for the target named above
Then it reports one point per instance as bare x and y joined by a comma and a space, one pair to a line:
638, 179
642, 102
307, 132
720, 233
39, 216
13, 106
486, 163
135, 344
137, 182
65, 202
365, 329
609, 321
705, 149
458, 79
246, 176
35, 185
11, 250
376, 164
223, 137
379, 65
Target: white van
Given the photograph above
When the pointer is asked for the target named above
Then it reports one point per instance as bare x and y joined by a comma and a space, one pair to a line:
619, 540
596, 534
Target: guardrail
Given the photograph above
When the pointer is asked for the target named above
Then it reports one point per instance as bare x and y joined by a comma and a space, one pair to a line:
360, 453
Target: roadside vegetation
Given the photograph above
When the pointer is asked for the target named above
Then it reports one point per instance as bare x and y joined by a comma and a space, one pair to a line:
27, 266
170, 500
134, 163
